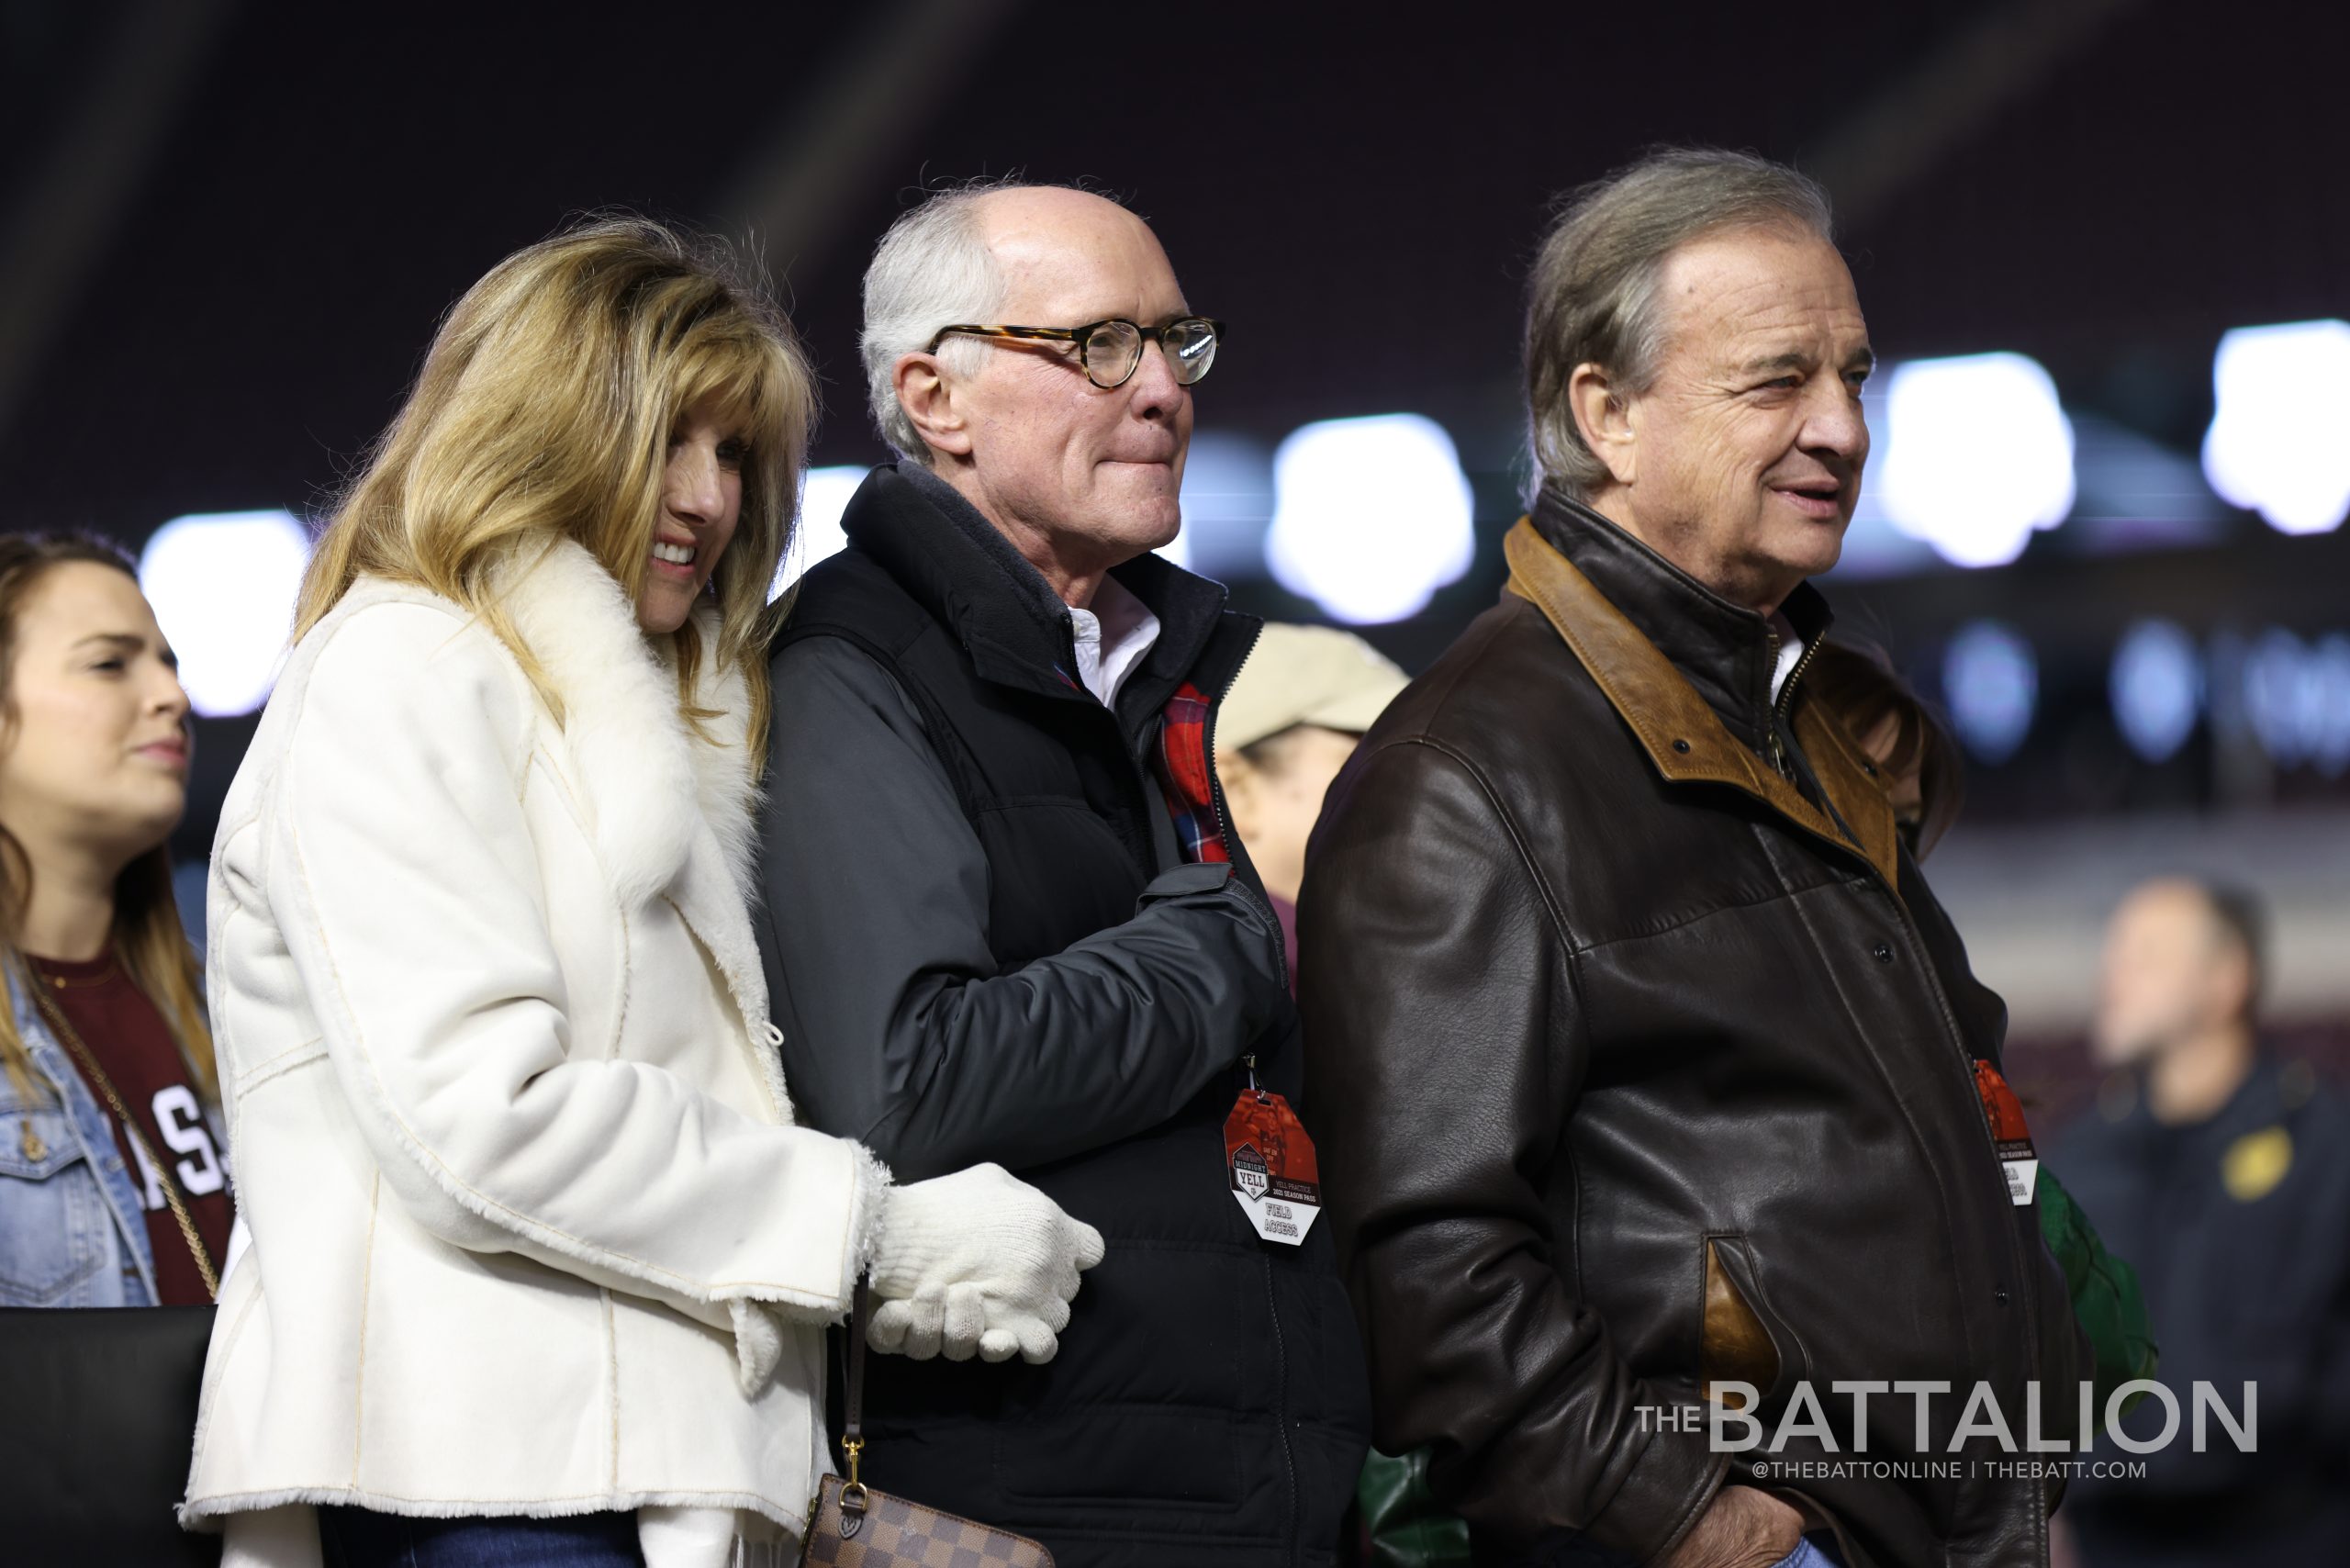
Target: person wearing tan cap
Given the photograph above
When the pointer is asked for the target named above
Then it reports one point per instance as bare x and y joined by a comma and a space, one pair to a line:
1289, 724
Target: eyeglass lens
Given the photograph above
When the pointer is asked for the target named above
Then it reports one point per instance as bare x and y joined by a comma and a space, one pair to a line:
1114, 349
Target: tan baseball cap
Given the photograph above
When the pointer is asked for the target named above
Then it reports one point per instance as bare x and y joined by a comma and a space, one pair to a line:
1307, 675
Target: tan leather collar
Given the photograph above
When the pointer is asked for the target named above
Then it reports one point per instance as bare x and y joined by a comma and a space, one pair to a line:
1684, 738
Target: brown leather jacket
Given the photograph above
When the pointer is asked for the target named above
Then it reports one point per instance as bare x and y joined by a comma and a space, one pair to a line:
1643, 1057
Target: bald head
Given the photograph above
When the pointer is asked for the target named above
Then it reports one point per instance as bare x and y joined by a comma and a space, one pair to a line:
959, 257
1065, 257
2182, 961
1078, 476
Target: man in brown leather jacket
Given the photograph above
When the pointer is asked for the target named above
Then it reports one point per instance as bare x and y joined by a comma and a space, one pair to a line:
1646, 1064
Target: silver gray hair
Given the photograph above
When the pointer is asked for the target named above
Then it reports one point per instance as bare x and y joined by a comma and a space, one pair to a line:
1592, 296
931, 270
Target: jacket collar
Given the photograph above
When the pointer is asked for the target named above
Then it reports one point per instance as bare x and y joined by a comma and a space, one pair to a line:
653, 784
674, 814
961, 570
1685, 734
1727, 652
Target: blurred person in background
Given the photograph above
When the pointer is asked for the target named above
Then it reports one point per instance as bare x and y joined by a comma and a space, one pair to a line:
540, 1262
2224, 1173
114, 1191
1646, 1063
1039, 942
1292, 719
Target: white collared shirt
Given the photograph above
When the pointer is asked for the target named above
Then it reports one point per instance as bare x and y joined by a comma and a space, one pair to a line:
1112, 638
1790, 653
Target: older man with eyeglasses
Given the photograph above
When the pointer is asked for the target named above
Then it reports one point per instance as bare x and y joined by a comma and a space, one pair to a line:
1007, 918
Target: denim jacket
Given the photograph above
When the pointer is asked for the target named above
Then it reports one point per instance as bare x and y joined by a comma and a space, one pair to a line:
71, 1231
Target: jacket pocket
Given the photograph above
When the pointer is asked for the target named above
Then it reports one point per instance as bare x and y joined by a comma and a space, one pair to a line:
1737, 1340
54, 1223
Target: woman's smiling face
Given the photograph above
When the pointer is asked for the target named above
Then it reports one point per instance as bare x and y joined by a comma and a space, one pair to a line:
701, 498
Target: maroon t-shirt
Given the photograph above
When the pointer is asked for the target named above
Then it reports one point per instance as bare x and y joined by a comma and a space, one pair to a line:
128, 1035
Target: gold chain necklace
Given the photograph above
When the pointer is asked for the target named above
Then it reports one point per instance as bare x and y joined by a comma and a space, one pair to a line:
89, 1064
62, 982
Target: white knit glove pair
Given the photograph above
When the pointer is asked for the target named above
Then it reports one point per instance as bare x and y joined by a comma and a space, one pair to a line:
977, 1261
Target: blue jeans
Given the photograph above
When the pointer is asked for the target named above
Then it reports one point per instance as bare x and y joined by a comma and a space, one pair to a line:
358, 1538
1806, 1555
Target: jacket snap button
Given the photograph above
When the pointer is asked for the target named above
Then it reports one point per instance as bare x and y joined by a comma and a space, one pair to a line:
1681, 746
1999, 1296
1881, 952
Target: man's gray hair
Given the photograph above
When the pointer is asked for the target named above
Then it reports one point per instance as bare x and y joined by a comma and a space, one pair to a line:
931, 270
1593, 297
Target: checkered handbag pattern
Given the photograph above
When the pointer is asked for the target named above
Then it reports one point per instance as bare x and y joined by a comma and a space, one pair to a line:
889, 1532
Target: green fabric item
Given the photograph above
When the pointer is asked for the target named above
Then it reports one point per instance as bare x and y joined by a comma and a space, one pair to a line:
2106, 1297
1400, 1517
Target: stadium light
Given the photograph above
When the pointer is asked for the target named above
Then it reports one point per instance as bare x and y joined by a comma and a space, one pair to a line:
224, 586
1978, 456
2157, 687
2279, 442
824, 497
2297, 695
1371, 516
1992, 684
1227, 501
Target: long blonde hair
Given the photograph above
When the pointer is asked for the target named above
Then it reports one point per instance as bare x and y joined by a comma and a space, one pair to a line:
148, 938
544, 410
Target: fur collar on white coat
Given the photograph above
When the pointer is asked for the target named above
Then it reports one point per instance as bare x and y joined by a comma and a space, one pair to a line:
644, 771
669, 819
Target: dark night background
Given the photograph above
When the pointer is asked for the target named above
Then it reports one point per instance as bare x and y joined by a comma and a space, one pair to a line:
227, 230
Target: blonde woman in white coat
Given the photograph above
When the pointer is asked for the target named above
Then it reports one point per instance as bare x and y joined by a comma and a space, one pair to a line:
540, 1264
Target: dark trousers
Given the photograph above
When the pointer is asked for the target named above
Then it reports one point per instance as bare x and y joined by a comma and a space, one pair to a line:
358, 1538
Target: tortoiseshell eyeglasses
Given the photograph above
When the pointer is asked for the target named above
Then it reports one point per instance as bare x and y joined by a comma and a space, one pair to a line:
1111, 350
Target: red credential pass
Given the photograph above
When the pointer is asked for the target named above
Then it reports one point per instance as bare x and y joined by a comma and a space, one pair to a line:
1269, 1162
2010, 1139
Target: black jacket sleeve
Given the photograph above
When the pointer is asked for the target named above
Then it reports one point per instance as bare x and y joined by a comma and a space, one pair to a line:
1445, 1047
899, 1029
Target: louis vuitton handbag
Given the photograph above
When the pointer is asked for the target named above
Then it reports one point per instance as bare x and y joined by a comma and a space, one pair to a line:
852, 1525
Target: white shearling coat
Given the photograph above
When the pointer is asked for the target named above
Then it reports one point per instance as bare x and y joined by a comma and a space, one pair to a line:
532, 1232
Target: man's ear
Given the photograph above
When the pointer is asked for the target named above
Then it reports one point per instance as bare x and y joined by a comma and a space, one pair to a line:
929, 402
1604, 416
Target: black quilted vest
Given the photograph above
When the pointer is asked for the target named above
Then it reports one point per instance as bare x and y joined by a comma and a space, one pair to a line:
1208, 1403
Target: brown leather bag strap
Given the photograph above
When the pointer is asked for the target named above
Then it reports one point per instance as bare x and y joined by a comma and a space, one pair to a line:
860, 1318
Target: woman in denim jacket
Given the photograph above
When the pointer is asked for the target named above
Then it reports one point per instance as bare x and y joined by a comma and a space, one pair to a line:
102, 1023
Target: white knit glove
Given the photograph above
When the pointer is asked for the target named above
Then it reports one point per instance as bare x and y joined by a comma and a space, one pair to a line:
977, 1261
